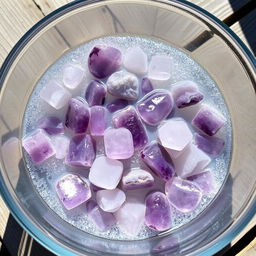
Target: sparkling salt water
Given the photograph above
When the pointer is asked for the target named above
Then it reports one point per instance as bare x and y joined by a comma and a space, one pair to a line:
45, 175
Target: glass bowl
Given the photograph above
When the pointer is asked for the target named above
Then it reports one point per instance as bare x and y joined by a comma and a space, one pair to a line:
201, 36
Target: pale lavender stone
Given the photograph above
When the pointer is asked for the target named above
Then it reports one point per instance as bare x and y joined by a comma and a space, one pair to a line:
98, 120
136, 61
81, 151
184, 195
105, 172
158, 160
102, 220
174, 135
146, 86
55, 95
110, 200
117, 105
72, 76
38, 146
137, 178
210, 145
205, 181
118, 143
61, 145
208, 120
191, 161
158, 212
129, 119
186, 93
131, 216
155, 106
77, 117
124, 85
73, 191
160, 67
95, 93
52, 125
104, 60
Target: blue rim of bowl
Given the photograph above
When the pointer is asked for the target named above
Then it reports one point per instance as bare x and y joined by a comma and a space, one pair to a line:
37, 234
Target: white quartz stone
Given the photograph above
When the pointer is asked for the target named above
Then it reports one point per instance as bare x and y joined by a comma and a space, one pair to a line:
160, 68
105, 172
131, 216
72, 76
110, 200
60, 144
55, 95
136, 61
174, 135
191, 161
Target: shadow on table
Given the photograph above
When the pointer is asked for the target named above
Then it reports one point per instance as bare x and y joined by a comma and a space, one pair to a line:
244, 16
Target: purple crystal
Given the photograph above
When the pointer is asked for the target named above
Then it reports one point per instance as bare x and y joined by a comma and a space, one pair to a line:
155, 106
158, 212
77, 117
38, 146
95, 93
118, 143
137, 178
117, 105
110, 200
158, 160
104, 60
186, 93
102, 220
182, 194
98, 120
73, 191
205, 181
61, 145
129, 119
208, 120
81, 151
124, 85
146, 86
52, 125
210, 145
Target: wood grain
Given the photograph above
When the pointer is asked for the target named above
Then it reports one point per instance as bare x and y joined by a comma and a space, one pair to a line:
48, 6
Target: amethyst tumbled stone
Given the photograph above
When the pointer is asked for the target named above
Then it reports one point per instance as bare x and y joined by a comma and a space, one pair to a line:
210, 145
81, 151
38, 146
208, 120
205, 181
158, 160
137, 178
158, 212
186, 93
98, 120
117, 104
95, 93
104, 60
124, 85
155, 106
146, 86
118, 143
73, 191
184, 195
77, 117
102, 220
52, 125
129, 119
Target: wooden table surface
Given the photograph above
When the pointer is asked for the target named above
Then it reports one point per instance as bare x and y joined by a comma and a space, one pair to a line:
17, 16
